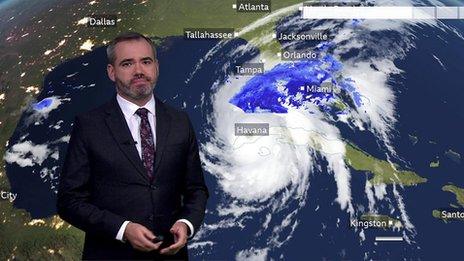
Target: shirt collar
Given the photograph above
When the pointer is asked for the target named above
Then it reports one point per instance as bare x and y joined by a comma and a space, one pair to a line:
129, 108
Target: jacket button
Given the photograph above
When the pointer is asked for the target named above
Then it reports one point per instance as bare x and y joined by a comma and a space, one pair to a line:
153, 187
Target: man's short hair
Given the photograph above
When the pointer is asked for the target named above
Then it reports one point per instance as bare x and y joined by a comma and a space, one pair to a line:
126, 36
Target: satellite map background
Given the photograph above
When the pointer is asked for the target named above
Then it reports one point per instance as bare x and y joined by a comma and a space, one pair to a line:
389, 148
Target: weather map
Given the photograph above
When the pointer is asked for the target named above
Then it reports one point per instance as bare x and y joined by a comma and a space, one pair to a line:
319, 138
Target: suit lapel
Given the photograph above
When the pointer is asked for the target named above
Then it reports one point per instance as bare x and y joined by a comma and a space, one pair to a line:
163, 125
122, 135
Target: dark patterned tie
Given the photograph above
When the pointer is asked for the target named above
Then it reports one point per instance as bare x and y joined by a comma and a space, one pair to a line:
148, 147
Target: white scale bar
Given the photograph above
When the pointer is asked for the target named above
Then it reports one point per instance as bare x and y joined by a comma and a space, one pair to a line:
389, 239
383, 12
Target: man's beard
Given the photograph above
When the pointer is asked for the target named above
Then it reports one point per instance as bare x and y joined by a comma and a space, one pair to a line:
136, 93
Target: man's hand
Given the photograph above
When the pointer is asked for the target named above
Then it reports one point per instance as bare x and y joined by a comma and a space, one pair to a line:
140, 237
179, 230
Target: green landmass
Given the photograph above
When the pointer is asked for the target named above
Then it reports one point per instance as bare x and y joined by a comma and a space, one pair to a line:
435, 164
339, 105
459, 193
437, 214
171, 17
383, 172
24, 238
392, 222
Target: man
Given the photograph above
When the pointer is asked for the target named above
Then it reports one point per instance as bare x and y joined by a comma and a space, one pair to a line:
132, 177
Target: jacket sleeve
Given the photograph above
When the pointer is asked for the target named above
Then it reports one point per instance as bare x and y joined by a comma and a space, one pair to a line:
195, 192
74, 191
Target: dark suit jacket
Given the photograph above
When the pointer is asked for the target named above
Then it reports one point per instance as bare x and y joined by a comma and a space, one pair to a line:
104, 183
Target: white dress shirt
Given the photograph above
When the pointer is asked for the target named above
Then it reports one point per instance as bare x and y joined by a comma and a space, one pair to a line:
133, 122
